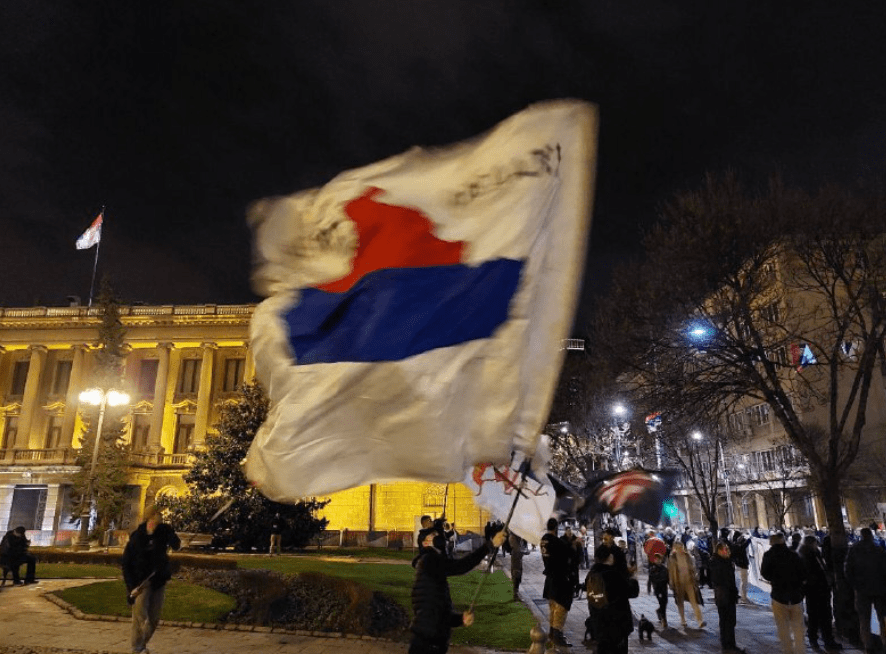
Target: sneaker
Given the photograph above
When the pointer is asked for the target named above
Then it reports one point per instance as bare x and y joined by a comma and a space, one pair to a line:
31, 581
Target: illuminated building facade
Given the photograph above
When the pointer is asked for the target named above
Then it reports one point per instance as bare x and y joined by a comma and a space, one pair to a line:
182, 362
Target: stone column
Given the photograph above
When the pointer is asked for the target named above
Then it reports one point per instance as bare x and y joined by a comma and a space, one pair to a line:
204, 394
160, 385
30, 399
249, 372
762, 516
72, 399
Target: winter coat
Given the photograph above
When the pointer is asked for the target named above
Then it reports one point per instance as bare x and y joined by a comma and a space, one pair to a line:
784, 570
816, 575
13, 548
658, 578
866, 568
682, 574
739, 550
722, 575
434, 617
146, 554
615, 621
557, 558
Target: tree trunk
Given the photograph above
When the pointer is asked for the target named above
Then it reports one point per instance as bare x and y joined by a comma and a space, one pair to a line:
845, 616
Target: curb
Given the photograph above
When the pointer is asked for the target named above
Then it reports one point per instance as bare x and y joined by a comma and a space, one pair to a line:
80, 615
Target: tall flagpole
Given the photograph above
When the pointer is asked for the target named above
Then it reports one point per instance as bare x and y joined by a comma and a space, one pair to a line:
95, 263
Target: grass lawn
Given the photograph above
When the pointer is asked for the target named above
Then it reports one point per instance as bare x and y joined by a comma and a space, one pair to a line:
77, 571
183, 603
500, 623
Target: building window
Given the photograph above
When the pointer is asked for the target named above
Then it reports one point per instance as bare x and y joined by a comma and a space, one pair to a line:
10, 430
53, 432
189, 378
771, 313
759, 414
147, 376
28, 507
780, 355
19, 377
141, 428
62, 377
184, 433
233, 374
737, 421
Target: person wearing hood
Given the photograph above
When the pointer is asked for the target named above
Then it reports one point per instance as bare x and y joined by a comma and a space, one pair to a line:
146, 569
614, 622
434, 616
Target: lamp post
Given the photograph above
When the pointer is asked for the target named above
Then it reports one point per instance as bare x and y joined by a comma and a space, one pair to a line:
618, 411
100, 398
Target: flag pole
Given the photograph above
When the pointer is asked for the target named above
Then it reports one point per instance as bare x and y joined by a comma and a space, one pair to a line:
494, 553
95, 263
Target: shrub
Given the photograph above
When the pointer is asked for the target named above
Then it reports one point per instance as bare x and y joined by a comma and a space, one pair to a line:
309, 601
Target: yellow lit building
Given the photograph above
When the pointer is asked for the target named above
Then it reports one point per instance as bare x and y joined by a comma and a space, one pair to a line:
182, 362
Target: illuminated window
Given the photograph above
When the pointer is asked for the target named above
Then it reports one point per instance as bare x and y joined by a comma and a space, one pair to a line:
53, 432
10, 430
189, 378
233, 374
147, 376
759, 414
141, 428
19, 377
184, 433
62, 377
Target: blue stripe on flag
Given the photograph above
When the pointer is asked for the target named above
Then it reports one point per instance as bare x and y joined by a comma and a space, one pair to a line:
396, 313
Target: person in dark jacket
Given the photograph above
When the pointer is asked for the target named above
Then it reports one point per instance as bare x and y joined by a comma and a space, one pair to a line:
722, 572
517, 545
146, 569
784, 570
14, 554
865, 569
739, 549
613, 623
657, 582
277, 527
818, 595
434, 617
557, 558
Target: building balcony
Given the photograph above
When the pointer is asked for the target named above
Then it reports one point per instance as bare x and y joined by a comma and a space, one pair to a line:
161, 460
28, 457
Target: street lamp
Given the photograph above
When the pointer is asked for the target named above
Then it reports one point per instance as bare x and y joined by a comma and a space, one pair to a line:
101, 399
721, 469
618, 411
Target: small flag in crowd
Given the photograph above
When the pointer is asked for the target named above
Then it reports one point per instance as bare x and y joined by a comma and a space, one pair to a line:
653, 422
496, 487
92, 235
416, 307
802, 356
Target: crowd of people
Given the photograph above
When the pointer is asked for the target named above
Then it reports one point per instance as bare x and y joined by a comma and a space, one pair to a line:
797, 566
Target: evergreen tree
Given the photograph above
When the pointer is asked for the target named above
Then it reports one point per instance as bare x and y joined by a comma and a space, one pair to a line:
110, 477
216, 481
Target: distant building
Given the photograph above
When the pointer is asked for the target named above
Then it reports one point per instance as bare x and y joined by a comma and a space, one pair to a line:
182, 362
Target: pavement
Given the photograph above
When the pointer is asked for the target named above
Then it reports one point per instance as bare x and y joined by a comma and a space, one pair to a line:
32, 624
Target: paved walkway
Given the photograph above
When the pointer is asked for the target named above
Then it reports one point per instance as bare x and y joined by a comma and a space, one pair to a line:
31, 624
755, 631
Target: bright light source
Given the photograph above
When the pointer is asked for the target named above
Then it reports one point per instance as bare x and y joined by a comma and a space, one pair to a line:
619, 410
117, 398
564, 429
91, 396
697, 435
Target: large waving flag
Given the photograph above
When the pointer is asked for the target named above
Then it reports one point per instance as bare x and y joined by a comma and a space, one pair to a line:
415, 307
92, 235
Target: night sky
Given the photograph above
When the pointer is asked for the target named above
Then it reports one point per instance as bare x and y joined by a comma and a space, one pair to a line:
176, 115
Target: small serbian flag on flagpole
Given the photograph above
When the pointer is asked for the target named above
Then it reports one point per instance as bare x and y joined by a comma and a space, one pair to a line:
416, 307
92, 235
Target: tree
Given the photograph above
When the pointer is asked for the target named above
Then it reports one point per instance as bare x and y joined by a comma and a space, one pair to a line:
110, 475
774, 298
216, 480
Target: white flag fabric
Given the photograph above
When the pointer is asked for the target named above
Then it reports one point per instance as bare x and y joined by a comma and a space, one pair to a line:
496, 487
92, 235
416, 307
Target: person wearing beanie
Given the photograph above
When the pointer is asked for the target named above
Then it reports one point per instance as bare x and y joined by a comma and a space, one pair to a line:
146, 569
434, 617
782, 568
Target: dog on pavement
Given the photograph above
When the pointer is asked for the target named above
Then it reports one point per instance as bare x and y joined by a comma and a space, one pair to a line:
645, 627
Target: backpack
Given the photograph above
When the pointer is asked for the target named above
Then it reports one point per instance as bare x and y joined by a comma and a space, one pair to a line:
596, 590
